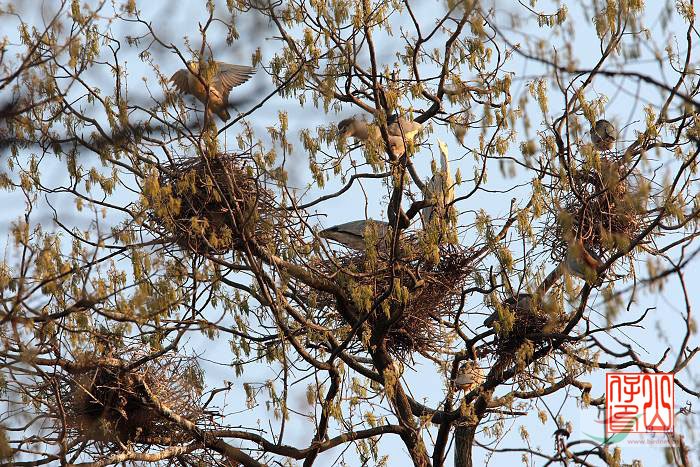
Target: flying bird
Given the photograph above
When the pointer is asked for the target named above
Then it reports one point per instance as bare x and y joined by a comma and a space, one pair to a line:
603, 135
440, 188
215, 88
354, 234
469, 376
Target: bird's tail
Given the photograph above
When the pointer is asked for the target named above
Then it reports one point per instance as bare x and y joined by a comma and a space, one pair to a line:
223, 114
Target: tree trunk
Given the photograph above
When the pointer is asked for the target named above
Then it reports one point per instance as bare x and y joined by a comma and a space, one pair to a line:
464, 439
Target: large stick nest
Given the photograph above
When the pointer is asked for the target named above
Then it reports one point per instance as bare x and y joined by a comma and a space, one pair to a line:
605, 207
424, 296
103, 402
212, 205
522, 325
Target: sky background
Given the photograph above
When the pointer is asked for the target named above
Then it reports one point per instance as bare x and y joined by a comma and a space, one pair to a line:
368, 199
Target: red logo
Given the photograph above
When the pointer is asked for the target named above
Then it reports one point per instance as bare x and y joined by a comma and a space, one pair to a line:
639, 402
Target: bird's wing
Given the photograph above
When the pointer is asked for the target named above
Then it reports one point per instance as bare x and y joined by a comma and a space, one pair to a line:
230, 76
610, 131
180, 80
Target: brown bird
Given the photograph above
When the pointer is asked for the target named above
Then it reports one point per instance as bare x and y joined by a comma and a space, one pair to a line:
398, 128
213, 85
581, 261
603, 135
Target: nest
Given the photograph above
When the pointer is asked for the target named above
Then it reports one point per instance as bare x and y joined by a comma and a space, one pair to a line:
413, 319
106, 404
522, 325
606, 208
210, 205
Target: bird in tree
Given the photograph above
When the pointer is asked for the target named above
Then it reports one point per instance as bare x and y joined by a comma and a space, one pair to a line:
582, 262
399, 129
469, 376
212, 83
439, 189
355, 234
400, 126
603, 135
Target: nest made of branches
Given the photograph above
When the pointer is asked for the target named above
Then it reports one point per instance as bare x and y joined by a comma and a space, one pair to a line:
209, 205
605, 207
522, 326
434, 295
106, 402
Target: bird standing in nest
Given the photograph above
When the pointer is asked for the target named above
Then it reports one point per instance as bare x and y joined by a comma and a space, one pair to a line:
521, 305
212, 83
603, 135
354, 234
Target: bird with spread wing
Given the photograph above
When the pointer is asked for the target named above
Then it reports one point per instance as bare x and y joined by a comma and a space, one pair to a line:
212, 83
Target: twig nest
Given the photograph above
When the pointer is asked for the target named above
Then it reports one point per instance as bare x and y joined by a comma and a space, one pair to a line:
211, 205
523, 316
423, 294
605, 208
106, 403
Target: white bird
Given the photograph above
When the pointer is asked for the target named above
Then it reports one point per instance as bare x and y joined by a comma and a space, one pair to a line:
353, 234
223, 78
603, 135
440, 189
469, 376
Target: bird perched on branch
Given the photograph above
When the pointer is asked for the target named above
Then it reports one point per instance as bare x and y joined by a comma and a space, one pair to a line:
399, 129
603, 135
582, 262
212, 83
355, 234
440, 189
469, 376
520, 305
400, 126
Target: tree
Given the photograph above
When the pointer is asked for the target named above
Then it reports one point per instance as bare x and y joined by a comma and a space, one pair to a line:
166, 280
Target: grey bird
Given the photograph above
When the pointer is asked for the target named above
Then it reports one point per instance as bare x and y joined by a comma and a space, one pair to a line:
469, 377
603, 135
520, 305
354, 234
219, 79
440, 188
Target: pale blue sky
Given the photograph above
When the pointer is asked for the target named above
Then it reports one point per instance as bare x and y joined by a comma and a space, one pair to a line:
623, 108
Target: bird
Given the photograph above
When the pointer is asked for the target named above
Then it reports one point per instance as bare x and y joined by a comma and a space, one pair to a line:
358, 128
439, 189
224, 77
469, 376
603, 135
581, 261
521, 305
398, 128
353, 234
